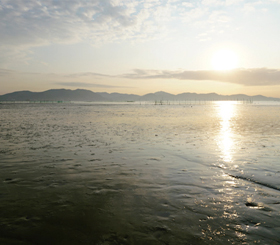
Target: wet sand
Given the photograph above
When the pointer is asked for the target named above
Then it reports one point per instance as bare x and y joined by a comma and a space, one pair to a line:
138, 174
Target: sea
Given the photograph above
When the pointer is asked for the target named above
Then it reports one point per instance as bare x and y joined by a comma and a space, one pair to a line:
140, 173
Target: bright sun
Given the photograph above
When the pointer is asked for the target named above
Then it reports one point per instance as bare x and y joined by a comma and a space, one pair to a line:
224, 60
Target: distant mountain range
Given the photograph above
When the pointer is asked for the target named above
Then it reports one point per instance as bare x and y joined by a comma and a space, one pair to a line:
87, 95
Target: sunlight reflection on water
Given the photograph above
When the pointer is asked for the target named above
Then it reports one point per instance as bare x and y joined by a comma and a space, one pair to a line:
226, 110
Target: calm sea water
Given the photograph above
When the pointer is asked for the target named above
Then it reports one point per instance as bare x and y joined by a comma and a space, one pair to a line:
134, 173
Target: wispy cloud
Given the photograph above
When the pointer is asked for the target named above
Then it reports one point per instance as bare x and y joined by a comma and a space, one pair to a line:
79, 80
87, 85
86, 74
5, 72
247, 77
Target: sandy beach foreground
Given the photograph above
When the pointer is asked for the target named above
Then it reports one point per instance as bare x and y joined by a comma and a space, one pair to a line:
139, 174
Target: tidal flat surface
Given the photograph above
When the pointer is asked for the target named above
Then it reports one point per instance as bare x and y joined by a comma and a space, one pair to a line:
89, 173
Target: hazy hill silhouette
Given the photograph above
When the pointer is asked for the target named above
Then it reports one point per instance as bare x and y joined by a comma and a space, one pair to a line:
87, 95
52, 95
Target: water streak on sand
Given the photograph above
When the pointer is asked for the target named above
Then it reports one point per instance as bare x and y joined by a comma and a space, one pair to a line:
255, 181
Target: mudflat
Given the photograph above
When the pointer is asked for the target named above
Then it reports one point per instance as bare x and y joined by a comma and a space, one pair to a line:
136, 173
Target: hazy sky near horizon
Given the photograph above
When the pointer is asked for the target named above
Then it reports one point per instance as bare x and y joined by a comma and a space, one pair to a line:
141, 46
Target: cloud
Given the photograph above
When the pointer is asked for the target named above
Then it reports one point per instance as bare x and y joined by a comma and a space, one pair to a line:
246, 77
25, 24
5, 72
212, 2
86, 74
80, 80
29, 23
193, 14
218, 16
220, 2
187, 4
38, 22
87, 85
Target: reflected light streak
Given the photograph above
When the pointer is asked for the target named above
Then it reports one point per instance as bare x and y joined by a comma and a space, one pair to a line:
226, 110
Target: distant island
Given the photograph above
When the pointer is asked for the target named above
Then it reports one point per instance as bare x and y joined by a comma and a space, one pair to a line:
89, 96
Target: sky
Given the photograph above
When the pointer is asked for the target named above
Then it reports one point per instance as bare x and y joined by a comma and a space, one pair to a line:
141, 46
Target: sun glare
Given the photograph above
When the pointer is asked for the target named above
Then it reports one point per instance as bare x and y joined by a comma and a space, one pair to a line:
224, 60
